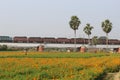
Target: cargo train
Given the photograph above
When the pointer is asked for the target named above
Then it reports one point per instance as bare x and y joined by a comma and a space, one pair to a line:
24, 39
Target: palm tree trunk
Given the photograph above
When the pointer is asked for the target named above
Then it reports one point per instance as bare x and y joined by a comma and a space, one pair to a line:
88, 39
107, 40
75, 41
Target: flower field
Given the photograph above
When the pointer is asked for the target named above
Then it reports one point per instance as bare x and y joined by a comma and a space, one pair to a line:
56, 66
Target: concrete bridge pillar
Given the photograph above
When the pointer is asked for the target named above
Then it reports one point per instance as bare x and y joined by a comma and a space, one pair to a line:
40, 48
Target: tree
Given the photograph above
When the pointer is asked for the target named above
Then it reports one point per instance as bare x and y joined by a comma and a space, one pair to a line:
87, 29
74, 24
95, 40
107, 27
3, 47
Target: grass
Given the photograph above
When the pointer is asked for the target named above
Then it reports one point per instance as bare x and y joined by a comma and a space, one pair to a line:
50, 55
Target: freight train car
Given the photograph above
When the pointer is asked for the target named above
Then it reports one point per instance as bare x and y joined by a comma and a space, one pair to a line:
20, 39
63, 40
5, 39
35, 40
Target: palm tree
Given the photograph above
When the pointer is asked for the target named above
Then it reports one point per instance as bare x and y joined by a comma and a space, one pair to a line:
74, 24
87, 29
107, 27
95, 40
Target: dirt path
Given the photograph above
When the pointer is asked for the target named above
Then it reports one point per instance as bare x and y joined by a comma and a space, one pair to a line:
109, 76
112, 76
117, 76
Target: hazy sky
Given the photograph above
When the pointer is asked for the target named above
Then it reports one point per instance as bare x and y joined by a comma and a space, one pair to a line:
50, 18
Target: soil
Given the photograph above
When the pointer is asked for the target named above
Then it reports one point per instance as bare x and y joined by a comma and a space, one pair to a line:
112, 76
117, 76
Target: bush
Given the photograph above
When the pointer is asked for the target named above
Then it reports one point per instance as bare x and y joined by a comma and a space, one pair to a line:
3, 47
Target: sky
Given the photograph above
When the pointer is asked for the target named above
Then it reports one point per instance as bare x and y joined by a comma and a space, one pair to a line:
50, 18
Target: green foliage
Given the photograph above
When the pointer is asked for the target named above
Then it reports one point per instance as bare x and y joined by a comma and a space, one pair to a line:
95, 40
87, 29
74, 22
107, 26
53, 55
3, 47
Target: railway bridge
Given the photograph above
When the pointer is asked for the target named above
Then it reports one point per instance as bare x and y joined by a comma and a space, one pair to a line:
53, 45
